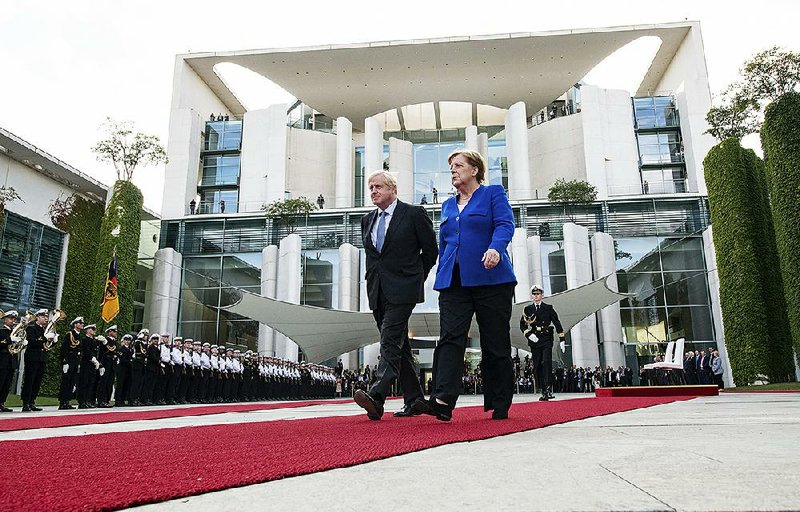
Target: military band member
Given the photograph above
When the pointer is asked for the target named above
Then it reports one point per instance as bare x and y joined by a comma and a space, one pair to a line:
6, 357
197, 379
165, 370
35, 360
176, 362
108, 356
122, 393
151, 369
186, 377
138, 364
214, 380
89, 366
205, 371
70, 357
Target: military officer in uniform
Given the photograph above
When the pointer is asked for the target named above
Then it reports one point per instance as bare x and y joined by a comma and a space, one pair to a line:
151, 369
89, 366
176, 362
138, 364
70, 357
6, 358
108, 356
35, 360
122, 393
538, 319
205, 373
165, 371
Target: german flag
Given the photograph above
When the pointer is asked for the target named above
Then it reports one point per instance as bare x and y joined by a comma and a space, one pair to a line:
110, 296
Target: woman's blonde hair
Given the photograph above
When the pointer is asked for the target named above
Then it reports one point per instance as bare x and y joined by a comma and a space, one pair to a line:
474, 159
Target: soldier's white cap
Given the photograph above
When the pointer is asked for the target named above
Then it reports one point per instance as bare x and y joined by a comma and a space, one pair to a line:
214, 346
206, 344
127, 337
90, 326
236, 352
43, 312
197, 342
177, 338
536, 288
112, 328
188, 340
154, 336
78, 320
144, 332
222, 347
12, 313
165, 335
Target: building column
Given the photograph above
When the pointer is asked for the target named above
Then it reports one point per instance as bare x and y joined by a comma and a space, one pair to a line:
519, 176
349, 256
401, 165
604, 262
579, 272
344, 163
373, 151
288, 288
535, 261
519, 259
269, 288
483, 145
716, 312
471, 138
166, 291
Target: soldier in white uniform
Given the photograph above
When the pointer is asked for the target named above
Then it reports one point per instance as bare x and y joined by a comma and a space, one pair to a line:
165, 371
205, 373
176, 370
197, 378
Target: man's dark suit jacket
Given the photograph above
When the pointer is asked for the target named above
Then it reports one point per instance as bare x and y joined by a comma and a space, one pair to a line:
409, 252
542, 325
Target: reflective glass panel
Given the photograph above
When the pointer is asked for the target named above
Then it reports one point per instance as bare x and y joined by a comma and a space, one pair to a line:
692, 323
684, 288
646, 287
682, 254
201, 272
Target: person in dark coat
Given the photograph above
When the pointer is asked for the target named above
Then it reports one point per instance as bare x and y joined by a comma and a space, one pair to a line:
6, 357
89, 366
537, 322
70, 357
35, 360
122, 391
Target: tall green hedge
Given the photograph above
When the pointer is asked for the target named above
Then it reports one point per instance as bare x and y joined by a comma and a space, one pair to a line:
83, 226
780, 138
739, 215
124, 213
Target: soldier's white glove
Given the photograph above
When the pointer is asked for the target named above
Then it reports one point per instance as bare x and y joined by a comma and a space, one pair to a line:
563, 345
51, 336
65, 368
103, 340
96, 363
533, 338
24, 343
102, 371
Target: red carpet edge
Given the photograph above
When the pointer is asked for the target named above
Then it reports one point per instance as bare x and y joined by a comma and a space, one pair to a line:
117, 470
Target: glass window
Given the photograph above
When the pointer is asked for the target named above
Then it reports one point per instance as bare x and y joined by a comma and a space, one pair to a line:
242, 269
554, 268
682, 253
644, 325
201, 272
204, 331
220, 170
637, 254
196, 304
692, 323
223, 135
647, 289
243, 333
320, 278
686, 288
218, 201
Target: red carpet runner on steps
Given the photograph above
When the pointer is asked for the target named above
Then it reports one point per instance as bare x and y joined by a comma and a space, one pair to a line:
66, 419
116, 470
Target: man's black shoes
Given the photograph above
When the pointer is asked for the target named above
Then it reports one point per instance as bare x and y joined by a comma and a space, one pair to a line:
406, 411
431, 407
369, 404
500, 414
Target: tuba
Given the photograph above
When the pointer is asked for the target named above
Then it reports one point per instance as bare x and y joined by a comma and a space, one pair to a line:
56, 315
18, 333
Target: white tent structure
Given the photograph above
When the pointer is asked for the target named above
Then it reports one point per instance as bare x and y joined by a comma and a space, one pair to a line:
326, 333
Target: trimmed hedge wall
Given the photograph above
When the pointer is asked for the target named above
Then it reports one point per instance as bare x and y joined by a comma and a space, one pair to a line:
83, 226
124, 212
780, 138
739, 215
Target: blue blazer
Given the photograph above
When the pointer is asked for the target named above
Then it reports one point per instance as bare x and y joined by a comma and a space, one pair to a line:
486, 222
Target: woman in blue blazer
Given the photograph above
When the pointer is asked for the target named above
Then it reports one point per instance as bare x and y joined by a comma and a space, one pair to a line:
474, 277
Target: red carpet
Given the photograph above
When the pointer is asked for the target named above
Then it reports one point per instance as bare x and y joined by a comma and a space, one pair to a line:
67, 419
690, 391
116, 470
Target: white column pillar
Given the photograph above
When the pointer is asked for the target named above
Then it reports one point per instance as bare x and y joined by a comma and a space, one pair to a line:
288, 288
519, 176
483, 144
276, 142
62, 269
471, 138
183, 150
716, 312
579, 272
519, 259
604, 262
348, 287
535, 261
344, 163
373, 151
401, 164
165, 291
269, 288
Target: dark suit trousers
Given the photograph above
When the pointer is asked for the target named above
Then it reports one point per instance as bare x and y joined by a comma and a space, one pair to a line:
32, 381
492, 306
68, 382
5, 383
542, 354
397, 361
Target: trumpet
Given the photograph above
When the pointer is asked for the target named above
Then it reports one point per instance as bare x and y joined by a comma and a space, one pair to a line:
18, 333
56, 315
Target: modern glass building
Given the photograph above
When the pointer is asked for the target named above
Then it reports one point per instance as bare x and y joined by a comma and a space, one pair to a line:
404, 106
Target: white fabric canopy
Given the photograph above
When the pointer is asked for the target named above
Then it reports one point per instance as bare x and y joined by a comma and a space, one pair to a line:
326, 333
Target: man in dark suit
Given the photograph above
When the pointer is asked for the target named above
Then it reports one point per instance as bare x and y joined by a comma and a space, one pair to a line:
35, 360
537, 324
401, 249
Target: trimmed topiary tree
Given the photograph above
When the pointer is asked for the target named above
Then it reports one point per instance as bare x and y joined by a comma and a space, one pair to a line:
780, 138
739, 213
120, 229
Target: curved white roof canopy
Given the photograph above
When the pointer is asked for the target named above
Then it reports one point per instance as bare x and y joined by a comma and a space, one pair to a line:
326, 333
360, 80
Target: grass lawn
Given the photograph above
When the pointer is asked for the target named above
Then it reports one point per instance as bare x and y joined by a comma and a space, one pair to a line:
15, 401
779, 386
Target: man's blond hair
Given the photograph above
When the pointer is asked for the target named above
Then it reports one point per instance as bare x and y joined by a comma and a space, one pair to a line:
388, 178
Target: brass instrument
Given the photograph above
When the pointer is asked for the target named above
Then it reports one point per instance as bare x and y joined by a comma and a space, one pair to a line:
56, 315
17, 336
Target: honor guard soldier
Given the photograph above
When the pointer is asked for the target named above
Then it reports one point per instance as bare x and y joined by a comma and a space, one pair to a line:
151, 369
205, 373
89, 366
35, 360
6, 357
186, 378
165, 372
70, 357
109, 356
214, 380
197, 378
538, 319
176, 362
122, 392
138, 364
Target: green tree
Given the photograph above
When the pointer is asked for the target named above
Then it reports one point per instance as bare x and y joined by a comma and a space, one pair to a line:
736, 116
780, 138
570, 194
7, 195
286, 212
770, 74
127, 150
